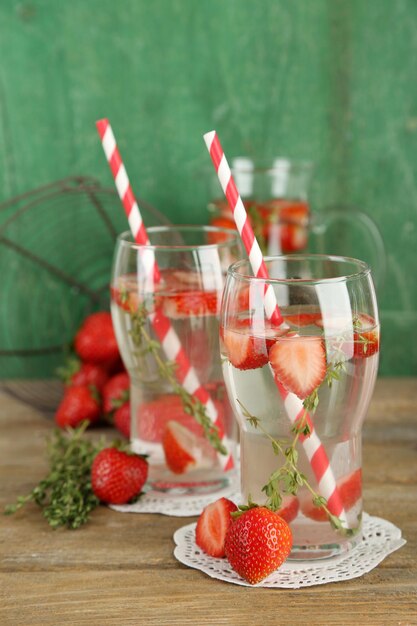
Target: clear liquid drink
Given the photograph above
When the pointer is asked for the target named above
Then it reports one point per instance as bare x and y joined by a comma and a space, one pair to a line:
324, 360
168, 420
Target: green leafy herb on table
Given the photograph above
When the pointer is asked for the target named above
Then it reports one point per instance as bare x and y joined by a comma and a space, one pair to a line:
81, 475
65, 495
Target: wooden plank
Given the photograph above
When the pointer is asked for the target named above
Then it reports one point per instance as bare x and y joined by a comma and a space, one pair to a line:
120, 569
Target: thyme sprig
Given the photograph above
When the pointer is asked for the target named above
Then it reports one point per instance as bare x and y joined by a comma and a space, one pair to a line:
145, 344
288, 479
65, 494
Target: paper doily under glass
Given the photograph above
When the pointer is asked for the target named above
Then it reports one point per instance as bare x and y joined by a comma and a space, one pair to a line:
180, 503
380, 538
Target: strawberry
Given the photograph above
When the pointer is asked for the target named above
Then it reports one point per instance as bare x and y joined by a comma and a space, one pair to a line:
78, 404
257, 543
299, 363
220, 222
115, 392
289, 508
212, 526
121, 419
184, 451
293, 226
350, 491
117, 477
365, 337
244, 349
191, 303
77, 374
95, 341
125, 293
303, 319
154, 416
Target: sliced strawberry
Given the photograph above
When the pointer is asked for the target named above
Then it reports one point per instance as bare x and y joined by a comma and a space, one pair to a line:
184, 451
244, 350
289, 508
350, 491
303, 319
125, 293
310, 510
366, 336
293, 226
299, 363
190, 303
212, 526
154, 416
220, 222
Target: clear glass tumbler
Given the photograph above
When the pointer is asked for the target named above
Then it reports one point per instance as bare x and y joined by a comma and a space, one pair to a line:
165, 308
300, 392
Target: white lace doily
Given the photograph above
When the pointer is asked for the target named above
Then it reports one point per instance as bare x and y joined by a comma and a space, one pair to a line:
180, 504
380, 538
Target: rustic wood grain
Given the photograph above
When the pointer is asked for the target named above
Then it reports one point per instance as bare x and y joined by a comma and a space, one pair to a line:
120, 569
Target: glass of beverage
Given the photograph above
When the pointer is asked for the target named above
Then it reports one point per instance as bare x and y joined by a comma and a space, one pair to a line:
276, 195
276, 199
300, 391
165, 307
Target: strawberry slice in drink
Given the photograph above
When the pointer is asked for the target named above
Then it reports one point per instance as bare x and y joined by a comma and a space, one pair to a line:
212, 526
300, 320
365, 336
220, 222
184, 451
125, 293
154, 416
350, 490
299, 363
289, 508
244, 349
189, 303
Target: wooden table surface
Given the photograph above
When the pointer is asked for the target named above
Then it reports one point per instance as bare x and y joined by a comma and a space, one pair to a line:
120, 568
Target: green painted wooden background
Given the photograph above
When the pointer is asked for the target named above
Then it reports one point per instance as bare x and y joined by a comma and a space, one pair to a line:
333, 81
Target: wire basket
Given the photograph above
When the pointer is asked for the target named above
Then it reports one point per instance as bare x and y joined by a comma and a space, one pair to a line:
56, 250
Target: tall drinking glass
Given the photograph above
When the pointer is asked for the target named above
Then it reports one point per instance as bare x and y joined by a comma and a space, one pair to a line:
319, 369
165, 308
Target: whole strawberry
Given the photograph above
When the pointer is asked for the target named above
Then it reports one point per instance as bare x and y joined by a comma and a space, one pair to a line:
78, 404
121, 419
75, 373
95, 341
115, 392
117, 477
257, 543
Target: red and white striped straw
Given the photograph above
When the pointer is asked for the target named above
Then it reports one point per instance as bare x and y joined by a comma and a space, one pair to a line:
161, 324
313, 447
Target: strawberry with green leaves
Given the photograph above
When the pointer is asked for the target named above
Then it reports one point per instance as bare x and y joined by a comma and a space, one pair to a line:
117, 476
75, 373
257, 543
